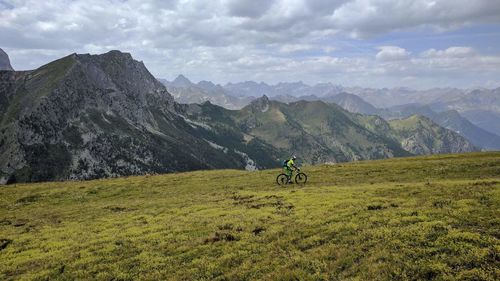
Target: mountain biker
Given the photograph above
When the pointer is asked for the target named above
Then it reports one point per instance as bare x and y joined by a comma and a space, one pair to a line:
288, 165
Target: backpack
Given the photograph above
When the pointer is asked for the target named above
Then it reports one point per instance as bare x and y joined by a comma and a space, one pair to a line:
285, 163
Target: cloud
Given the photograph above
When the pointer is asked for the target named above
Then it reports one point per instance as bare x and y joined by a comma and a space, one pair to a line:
248, 8
291, 48
452, 52
391, 53
367, 18
230, 40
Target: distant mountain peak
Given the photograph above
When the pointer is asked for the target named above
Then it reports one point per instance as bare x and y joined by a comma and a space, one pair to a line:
181, 81
261, 103
117, 53
4, 61
204, 83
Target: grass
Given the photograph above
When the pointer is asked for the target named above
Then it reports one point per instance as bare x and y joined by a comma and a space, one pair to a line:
435, 217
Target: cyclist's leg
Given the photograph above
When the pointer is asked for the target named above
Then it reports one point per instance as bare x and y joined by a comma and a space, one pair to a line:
289, 173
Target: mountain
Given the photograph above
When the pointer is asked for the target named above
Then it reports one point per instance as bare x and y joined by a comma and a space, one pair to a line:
315, 131
248, 89
454, 121
420, 135
93, 116
294, 89
476, 99
487, 120
450, 119
481, 106
319, 132
349, 102
352, 103
184, 91
4, 61
181, 82
407, 110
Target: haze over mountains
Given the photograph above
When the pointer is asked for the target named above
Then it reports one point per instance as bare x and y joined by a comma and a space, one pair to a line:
91, 116
475, 114
184, 91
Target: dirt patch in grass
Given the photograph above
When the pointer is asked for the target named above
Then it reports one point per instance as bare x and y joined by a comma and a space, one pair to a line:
118, 209
258, 230
4, 243
221, 236
375, 207
226, 226
242, 199
441, 203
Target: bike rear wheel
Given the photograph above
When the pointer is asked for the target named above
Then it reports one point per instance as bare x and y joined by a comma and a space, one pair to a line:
282, 179
300, 178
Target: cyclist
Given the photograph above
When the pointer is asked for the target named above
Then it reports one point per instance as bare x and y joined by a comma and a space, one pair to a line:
288, 165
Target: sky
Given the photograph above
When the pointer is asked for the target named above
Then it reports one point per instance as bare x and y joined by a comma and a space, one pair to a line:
370, 43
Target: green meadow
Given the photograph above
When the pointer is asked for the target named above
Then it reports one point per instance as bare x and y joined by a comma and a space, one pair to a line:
421, 218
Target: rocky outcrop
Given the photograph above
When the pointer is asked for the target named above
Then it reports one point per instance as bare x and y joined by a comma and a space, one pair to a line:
4, 61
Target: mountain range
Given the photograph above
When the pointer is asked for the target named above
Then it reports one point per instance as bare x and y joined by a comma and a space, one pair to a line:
184, 91
92, 116
475, 114
321, 132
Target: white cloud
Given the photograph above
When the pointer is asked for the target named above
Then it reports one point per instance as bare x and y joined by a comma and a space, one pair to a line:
291, 48
229, 40
452, 52
366, 18
391, 53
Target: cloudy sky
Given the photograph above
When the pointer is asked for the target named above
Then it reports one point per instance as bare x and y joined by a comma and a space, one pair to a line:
370, 43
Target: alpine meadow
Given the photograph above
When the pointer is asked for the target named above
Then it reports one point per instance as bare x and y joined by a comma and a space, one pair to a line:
433, 217
241, 140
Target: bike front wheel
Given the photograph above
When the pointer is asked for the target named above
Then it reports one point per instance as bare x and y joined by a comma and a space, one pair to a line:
282, 179
300, 178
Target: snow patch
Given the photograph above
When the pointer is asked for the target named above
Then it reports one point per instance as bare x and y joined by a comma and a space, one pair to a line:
216, 146
250, 164
195, 124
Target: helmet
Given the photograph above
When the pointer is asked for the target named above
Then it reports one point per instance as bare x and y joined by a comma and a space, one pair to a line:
294, 157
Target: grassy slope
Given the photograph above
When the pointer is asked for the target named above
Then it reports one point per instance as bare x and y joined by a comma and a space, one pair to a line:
399, 219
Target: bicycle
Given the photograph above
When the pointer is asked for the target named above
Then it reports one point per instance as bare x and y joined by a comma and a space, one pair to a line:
300, 178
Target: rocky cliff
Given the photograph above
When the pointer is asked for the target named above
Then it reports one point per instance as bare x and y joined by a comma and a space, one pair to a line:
4, 61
